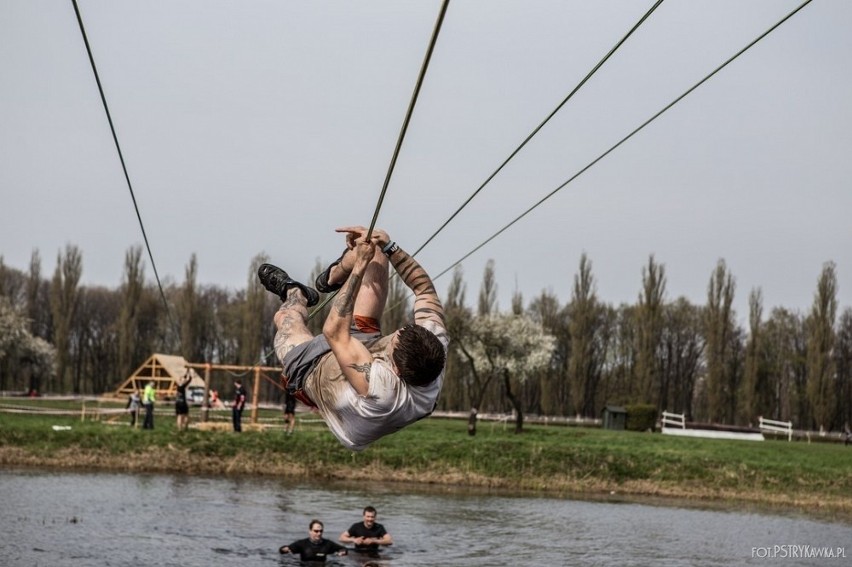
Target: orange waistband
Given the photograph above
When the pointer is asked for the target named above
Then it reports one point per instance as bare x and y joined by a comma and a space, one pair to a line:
367, 324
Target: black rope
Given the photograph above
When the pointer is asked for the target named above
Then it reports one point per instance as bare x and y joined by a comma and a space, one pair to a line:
540, 126
424, 66
408, 114
630, 135
121, 158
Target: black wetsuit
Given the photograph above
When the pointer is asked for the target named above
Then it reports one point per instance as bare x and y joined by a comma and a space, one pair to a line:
310, 551
360, 530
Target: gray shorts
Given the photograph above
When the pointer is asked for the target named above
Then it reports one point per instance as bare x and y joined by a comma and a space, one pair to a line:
302, 359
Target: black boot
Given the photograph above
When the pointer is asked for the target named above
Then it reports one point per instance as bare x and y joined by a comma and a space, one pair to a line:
322, 279
276, 280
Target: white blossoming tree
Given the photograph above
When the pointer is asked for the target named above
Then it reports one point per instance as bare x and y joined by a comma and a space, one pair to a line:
504, 346
21, 353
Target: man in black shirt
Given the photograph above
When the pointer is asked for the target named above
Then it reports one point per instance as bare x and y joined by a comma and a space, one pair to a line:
314, 547
367, 535
238, 405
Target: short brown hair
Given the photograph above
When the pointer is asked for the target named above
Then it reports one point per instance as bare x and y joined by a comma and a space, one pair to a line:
418, 355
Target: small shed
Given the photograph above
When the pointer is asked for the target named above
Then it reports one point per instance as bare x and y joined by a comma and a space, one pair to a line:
614, 418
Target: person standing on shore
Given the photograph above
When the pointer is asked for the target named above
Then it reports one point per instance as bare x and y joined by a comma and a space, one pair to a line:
133, 405
238, 405
149, 396
368, 534
289, 412
181, 403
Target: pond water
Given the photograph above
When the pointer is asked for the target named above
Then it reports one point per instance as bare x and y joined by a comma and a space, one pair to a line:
75, 519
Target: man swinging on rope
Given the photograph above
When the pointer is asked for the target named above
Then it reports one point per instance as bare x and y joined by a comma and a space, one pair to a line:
364, 384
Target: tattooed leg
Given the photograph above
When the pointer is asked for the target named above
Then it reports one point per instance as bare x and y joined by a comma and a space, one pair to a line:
291, 320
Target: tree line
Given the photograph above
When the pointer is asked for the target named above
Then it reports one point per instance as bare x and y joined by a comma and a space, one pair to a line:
538, 357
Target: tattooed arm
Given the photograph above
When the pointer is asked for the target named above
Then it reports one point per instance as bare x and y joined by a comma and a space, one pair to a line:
427, 304
354, 358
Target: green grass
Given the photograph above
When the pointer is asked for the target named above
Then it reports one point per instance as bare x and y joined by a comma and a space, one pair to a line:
559, 459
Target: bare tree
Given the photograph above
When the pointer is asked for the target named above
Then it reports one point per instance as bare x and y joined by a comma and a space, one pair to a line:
843, 357
554, 391
98, 340
786, 360
682, 346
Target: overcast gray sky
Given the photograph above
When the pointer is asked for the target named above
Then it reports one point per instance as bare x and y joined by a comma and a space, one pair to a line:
254, 126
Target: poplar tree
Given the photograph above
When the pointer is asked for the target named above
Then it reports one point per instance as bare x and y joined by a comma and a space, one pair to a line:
584, 366
488, 291
188, 312
719, 329
256, 322
131, 296
649, 329
754, 388
35, 305
455, 394
821, 339
64, 296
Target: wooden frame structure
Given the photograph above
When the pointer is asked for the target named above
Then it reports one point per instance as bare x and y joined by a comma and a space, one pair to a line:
165, 370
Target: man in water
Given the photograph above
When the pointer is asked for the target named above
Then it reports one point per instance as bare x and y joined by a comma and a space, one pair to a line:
367, 535
364, 384
314, 547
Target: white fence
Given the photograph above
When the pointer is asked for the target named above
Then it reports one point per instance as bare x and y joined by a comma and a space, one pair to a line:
777, 426
673, 419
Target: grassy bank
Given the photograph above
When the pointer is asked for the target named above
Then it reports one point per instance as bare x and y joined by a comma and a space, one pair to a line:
560, 460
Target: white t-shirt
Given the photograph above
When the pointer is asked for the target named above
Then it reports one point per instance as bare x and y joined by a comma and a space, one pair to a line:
389, 405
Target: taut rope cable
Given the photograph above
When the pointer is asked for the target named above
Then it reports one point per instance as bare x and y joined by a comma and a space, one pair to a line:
121, 159
630, 135
424, 66
541, 125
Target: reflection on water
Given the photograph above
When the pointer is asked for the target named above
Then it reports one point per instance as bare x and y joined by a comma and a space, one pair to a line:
74, 519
